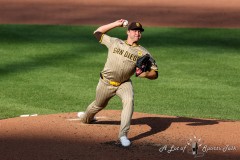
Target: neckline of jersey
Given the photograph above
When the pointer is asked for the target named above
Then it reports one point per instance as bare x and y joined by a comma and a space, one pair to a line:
133, 45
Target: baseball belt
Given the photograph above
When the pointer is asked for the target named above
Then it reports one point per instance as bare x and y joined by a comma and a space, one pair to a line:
113, 83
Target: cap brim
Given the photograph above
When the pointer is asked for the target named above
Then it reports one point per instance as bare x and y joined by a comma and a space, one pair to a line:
141, 29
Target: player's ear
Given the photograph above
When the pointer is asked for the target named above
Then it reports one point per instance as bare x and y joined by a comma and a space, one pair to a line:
127, 32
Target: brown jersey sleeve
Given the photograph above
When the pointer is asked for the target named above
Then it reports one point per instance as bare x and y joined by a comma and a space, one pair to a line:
104, 39
98, 35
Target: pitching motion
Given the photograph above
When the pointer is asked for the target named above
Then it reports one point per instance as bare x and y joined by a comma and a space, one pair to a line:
125, 58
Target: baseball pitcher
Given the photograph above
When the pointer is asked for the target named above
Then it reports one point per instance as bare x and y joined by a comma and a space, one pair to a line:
125, 58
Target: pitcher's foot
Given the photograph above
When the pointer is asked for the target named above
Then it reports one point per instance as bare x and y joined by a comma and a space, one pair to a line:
125, 141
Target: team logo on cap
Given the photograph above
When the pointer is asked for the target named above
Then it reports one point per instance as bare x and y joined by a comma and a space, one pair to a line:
138, 24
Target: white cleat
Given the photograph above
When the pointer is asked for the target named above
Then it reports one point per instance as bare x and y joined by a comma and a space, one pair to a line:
125, 141
81, 114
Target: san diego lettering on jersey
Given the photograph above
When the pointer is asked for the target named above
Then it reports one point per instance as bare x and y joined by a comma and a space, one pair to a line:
125, 54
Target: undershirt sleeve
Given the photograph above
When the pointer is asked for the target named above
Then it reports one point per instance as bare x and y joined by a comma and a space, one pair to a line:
98, 36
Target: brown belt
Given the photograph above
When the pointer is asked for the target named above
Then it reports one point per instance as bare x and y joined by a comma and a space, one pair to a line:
113, 83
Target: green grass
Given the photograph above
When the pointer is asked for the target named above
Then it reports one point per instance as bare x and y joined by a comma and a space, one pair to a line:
52, 69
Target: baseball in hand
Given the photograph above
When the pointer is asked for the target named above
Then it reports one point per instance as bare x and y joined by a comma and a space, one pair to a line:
125, 23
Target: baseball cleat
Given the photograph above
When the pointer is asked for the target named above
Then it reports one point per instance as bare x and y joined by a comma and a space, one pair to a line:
81, 114
125, 141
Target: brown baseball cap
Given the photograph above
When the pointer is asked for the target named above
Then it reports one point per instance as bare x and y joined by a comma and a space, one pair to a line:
135, 26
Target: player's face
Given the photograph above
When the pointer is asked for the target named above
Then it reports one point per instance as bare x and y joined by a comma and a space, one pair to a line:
134, 35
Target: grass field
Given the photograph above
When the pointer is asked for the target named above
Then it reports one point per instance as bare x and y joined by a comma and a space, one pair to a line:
53, 69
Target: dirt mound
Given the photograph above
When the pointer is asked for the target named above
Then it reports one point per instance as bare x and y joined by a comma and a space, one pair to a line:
63, 137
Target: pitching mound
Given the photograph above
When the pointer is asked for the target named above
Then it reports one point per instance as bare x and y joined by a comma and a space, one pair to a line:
64, 137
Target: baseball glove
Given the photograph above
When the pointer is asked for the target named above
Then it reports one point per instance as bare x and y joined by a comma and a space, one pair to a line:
143, 64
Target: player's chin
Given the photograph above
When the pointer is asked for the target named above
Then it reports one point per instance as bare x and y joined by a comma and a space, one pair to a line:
137, 38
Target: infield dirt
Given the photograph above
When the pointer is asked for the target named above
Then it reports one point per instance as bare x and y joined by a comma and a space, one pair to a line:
180, 13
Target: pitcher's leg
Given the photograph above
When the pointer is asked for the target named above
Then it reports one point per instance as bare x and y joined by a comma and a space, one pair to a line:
104, 93
90, 112
125, 92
